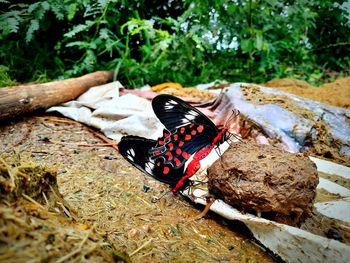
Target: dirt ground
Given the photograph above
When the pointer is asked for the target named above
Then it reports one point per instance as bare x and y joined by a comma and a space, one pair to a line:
323, 145
336, 93
111, 214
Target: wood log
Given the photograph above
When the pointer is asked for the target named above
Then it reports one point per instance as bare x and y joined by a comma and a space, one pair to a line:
24, 99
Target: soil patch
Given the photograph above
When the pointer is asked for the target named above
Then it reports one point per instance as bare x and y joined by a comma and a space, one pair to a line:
323, 145
336, 93
176, 89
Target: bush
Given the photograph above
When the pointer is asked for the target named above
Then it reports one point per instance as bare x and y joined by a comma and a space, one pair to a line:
189, 41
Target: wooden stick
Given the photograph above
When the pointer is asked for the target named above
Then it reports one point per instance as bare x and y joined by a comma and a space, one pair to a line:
141, 247
23, 99
108, 142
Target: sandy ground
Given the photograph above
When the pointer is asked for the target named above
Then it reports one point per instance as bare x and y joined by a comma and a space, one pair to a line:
336, 93
112, 208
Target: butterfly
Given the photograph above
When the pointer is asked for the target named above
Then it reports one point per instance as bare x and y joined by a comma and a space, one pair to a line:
188, 135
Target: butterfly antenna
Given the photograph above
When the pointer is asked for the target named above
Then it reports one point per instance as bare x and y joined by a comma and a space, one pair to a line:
235, 113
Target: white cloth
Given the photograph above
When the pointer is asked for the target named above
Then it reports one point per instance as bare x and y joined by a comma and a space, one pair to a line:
102, 108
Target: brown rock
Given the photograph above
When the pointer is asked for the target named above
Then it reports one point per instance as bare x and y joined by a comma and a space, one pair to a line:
267, 180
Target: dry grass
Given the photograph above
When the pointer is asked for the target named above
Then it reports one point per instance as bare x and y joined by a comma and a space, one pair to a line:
36, 222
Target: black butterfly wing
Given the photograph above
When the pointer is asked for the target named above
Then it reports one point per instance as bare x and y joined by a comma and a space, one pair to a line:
178, 147
174, 113
182, 120
136, 150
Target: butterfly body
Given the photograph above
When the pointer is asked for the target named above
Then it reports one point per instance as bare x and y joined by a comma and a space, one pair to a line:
188, 133
194, 165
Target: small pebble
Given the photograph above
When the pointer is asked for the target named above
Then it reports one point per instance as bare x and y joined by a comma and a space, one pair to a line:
146, 228
146, 188
334, 234
133, 233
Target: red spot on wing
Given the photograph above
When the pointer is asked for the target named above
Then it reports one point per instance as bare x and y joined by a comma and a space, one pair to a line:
161, 142
166, 170
188, 137
171, 146
170, 156
200, 128
181, 143
178, 151
166, 134
191, 125
182, 130
176, 137
186, 155
158, 164
177, 162
193, 132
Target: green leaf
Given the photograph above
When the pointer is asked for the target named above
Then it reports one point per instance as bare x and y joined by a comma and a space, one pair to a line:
34, 26
79, 44
10, 21
58, 9
259, 40
72, 9
246, 45
33, 7
79, 28
104, 33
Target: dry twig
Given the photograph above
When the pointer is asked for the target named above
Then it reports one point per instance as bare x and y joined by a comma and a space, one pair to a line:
108, 142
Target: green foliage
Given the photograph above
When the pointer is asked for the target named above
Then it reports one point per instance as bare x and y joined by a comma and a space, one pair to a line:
185, 41
28, 33
5, 79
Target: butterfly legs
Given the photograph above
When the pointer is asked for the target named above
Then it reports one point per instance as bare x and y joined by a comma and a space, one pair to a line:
210, 202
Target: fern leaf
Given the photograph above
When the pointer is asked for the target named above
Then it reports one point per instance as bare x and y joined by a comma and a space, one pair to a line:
72, 9
33, 7
58, 8
104, 33
13, 24
39, 9
103, 3
34, 26
93, 10
79, 28
79, 44
9, 22
90, 60
45, 6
